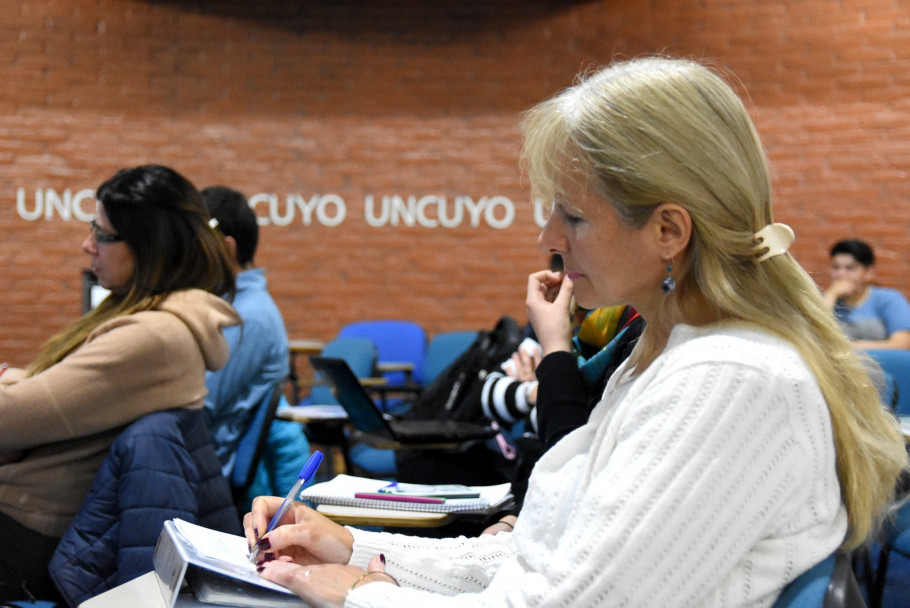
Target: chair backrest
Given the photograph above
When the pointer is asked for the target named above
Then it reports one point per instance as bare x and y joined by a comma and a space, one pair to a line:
444, 348
896, 363
252, 443
829, 584
160, 467
360, 355
895, 537
808, 589
396, 342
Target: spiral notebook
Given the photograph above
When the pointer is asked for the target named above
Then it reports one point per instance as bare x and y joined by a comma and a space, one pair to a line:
341, 490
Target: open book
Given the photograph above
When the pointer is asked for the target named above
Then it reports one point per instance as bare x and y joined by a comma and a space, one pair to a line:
217, 568
351, 491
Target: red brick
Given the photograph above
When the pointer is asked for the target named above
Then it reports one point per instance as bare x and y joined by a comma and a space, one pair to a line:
407, 99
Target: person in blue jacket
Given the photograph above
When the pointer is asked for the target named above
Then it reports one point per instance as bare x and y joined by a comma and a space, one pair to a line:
259, 354
873, 317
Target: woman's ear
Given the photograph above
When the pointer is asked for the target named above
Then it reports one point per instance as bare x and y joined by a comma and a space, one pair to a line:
674, 226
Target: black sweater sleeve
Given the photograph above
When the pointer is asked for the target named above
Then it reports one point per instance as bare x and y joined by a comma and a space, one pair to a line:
562, 402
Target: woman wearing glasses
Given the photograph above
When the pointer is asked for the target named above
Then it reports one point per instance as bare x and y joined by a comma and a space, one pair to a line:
145, 348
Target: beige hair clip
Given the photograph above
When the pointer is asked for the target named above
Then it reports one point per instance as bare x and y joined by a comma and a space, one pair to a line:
776, 238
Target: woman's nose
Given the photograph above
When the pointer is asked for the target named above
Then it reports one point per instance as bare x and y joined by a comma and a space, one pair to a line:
551, 238
88, 246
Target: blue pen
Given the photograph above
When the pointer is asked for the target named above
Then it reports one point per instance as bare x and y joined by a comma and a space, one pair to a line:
306, 474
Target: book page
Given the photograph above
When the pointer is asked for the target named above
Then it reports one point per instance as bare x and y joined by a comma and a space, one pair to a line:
224, 553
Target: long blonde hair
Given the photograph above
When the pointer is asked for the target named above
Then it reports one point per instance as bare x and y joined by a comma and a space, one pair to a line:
162, 219
652, 130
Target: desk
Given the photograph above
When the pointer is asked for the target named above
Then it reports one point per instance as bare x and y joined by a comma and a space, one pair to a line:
297, 348
361, 516
306, 347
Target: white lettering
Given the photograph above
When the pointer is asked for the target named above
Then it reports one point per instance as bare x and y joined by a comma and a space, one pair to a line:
369, 213
458, 215
53, 201
403, 210
263, 198
427, 211
474, 209
508, 212
24, 213
540, 213
281, 220
341, 210
306, 208
48, 201
422, 203
81, 214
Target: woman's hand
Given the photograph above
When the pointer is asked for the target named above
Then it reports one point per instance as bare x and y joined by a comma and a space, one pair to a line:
323, 586
524, 364
506, 524
303, 535
548, 299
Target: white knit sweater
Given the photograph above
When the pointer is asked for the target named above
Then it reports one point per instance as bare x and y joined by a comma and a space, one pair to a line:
708, 480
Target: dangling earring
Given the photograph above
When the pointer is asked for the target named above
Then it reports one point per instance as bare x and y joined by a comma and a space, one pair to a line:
669, 283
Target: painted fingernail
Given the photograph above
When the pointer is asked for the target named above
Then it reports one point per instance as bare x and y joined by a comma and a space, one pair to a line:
265, 543
260, 563
260, 568
256, 532
382, 558
269, 557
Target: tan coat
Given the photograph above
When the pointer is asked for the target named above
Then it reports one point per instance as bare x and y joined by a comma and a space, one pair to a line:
66, 417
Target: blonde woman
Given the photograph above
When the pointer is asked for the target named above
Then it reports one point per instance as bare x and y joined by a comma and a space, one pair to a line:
742, 442
144, 348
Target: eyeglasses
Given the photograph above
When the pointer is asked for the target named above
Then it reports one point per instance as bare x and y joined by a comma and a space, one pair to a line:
103, 236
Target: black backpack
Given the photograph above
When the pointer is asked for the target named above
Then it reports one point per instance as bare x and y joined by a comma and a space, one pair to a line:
455, 394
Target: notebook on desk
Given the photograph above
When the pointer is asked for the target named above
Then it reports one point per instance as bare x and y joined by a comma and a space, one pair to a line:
367, 418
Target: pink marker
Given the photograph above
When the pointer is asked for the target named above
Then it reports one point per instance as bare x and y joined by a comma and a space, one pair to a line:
398, 498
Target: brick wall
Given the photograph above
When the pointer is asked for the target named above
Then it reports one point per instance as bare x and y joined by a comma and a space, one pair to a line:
338, 101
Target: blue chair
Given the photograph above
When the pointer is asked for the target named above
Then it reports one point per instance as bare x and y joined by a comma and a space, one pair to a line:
896, 540
897, 364
252, 445
396, 342
829, 584
360, 355
443, 350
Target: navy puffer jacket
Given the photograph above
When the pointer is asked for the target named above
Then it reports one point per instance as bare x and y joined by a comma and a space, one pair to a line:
160, 467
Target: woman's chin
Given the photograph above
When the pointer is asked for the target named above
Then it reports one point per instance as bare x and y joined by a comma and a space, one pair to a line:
586, 300
117, 289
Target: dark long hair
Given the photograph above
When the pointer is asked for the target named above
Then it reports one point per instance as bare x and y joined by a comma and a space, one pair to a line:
162, 219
